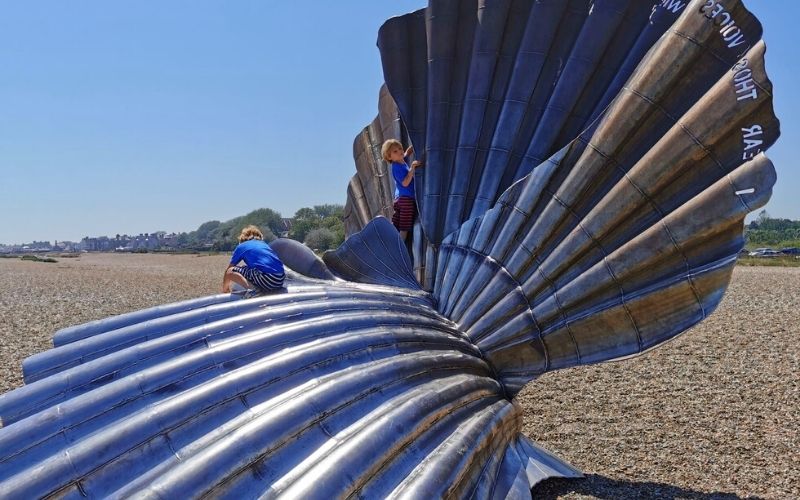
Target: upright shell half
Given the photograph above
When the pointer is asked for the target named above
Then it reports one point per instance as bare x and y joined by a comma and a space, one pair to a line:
488, 90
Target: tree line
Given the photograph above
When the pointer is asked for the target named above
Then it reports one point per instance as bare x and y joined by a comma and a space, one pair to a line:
320, 227
766, 231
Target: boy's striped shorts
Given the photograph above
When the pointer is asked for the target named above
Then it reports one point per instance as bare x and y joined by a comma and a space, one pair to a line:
405, 212
261, 280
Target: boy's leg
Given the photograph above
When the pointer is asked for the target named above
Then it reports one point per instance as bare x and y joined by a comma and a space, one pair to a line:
408, 241
232, 276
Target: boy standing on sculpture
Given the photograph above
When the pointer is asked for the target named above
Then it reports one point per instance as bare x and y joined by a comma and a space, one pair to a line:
405, 205
263, 269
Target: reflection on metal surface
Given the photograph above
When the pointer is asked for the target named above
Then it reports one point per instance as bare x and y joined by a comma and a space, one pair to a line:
586, 184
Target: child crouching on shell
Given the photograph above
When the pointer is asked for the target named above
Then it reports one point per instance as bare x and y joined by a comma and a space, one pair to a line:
263, 269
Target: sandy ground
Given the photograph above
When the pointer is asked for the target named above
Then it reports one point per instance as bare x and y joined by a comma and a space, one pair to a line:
713, 414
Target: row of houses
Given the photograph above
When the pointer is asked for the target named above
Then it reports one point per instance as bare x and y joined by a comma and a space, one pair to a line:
40, 247
125, 243
119, 243
159, 240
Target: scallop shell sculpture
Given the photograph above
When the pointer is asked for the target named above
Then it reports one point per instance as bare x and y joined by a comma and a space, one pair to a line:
589, 168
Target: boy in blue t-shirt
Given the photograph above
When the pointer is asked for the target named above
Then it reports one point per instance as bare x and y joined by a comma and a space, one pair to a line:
263, 268
405, 205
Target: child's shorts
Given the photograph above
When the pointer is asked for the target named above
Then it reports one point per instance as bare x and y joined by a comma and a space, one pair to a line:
261, 280
405, 213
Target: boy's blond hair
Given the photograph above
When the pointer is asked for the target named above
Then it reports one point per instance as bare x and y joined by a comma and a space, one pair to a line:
389, 145
250, 233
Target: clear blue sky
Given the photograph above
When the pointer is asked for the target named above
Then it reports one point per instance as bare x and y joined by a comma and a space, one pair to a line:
131, 117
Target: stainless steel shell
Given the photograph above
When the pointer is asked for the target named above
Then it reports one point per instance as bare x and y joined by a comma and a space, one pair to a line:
325, 391
374, 255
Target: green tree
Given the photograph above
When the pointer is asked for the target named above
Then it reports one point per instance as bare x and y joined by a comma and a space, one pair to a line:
329, 210
306, 213
766, 231
305, 220
184, 240
321, 238
203, 233
763, 216
264, 218
223, 236
330, 217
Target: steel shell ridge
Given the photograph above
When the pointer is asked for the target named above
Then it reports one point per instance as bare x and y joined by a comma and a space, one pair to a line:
588, 169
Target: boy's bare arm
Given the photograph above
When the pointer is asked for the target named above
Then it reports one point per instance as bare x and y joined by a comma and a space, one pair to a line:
410, 175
